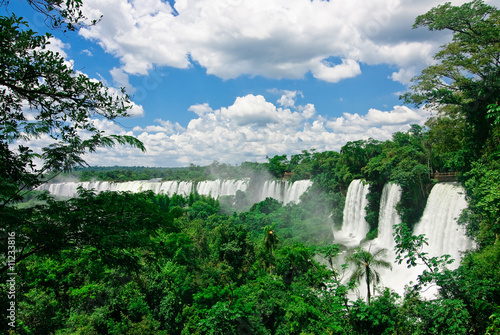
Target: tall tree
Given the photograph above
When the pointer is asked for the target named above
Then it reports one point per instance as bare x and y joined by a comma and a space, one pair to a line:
365, 263
465, 81
41, 96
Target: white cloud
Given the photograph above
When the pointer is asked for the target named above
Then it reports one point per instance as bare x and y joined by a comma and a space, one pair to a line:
288, 98
336, 72
57, 46
200, 109
250, 129
251, 110
109, 127
276, 39
399, 115
166, 127
120, 79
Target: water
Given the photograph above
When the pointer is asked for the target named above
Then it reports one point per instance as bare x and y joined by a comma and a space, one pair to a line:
69, 189
218, 188
282, 191
354, 226
438, 223
388, 216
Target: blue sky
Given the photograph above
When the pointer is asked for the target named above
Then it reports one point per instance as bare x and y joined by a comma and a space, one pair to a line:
236, 80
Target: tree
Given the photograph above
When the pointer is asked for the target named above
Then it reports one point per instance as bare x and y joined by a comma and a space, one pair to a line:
43, 97
270, 239
278, 165
365, 262
465, 82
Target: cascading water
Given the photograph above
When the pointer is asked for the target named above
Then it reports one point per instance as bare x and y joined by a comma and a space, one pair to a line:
439, 222
354, 226
293, 191
388, 216
282, 191
218, 188
69, 189
271, 189
439, 225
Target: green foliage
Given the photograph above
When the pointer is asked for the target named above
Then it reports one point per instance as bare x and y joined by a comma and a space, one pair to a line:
62, 102
278, 165
404, 161
483, 195
381, 316
465, 80
364, 266
122, 263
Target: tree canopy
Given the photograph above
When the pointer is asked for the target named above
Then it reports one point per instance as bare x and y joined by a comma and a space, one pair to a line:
123, 263
44, 98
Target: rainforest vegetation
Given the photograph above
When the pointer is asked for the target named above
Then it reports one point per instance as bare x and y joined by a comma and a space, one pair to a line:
123, 263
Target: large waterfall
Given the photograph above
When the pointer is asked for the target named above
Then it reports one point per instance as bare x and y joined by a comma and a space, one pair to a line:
283, 191
438, 223
69, 189
354, 226
388, 216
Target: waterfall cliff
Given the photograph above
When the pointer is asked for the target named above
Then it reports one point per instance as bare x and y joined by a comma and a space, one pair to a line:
283, 191
354, 226
439, 222
388, 216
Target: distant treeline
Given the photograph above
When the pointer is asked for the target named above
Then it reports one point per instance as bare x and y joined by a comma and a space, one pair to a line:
192, 172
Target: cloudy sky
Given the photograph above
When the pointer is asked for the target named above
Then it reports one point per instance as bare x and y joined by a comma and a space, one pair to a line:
236, 80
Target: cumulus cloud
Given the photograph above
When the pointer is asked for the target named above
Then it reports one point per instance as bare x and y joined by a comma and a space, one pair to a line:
399, 115
57, 46
287, 98
166, 127
334, 73
250, 129
200, 109
251, 110
120, 79
275, 39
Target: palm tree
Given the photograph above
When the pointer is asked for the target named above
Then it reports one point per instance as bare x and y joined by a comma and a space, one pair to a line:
365, 261
270, 241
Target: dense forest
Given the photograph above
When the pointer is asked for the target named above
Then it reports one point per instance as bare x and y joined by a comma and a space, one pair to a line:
145, 263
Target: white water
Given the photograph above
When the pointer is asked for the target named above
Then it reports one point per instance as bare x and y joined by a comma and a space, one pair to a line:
69, 189
282, 191
354, 226
388, 216
438, 223
218, 188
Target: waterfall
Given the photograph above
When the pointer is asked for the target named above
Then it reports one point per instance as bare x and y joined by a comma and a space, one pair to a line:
282, 191
388, 216
354, 226
69, 189
218, 188
439, 225
293, 191
271, 189
439, 222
